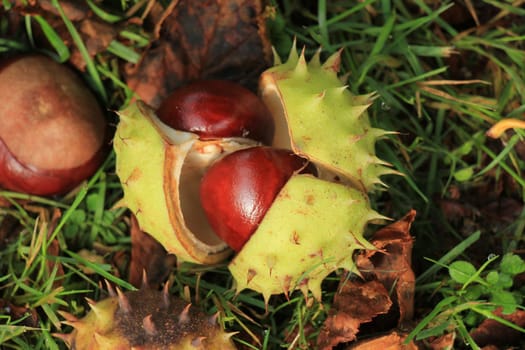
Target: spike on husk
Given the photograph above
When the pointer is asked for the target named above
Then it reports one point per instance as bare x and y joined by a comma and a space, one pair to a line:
144, 322
334, 131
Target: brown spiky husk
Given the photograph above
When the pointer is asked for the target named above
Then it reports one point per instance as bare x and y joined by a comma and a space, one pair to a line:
146, 319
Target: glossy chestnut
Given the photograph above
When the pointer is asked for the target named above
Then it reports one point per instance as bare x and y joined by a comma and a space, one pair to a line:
216, 109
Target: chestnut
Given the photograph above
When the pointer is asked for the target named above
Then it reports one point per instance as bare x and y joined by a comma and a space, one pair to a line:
237, 190
218, 108
53, 130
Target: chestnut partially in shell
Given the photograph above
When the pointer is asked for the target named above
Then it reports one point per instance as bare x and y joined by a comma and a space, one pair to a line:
53, 130
238, 189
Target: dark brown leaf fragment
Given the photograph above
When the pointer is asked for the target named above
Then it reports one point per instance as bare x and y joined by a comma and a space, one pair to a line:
391, 264
392, 341
95, 32
16, 312
493, 333
445, 341
147, 255
204, 39
356, 303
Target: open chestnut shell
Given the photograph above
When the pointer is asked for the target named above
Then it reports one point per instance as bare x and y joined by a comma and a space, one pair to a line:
160, 170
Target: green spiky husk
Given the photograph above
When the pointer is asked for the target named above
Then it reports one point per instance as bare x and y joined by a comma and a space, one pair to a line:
320, 119
145, 320
315, 224
312, 228
159, 169
140, 157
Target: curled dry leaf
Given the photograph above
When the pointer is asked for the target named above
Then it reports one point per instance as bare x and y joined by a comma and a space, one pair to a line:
391, 264
147, 255
443, 342
392, 341
26, 316
204, 39
355, 304
492, 332
368, 302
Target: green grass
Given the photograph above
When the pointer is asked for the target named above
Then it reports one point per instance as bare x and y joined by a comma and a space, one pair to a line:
441, 87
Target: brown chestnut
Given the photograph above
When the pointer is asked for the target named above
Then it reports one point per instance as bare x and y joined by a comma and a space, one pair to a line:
218, 108
53, 131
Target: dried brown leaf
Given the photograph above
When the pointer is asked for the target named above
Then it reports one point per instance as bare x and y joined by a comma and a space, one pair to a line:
74, 10
392, 341
391, 264
95, 33
492, 332
147, 255
444, 342
29, 317
204, 39
356, 303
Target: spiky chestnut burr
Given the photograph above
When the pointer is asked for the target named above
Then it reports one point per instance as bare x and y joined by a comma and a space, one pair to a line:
160, 169
315, 224
320, 119
146, 319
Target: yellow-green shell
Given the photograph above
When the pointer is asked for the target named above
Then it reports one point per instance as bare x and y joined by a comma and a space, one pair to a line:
312, 228
319, 118
159, 169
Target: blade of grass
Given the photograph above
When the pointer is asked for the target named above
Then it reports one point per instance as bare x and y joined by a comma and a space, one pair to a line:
97, 202
124, 52
392, 159
7, 45
335, 18
464, 333
100, 271
374, 56
141, 40
447, 27
104, 15
490, 315
324, 38
90, 65
429, 318
449, 257
54, 39
509, 146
